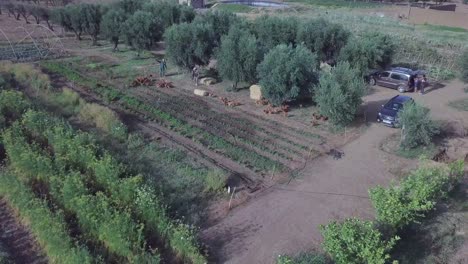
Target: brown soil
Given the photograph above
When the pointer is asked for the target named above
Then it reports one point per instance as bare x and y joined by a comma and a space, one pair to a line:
17, 239
285, 218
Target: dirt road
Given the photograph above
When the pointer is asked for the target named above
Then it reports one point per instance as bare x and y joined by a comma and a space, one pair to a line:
285, 219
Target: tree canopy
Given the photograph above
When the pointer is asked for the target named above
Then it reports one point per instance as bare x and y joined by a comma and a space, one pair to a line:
112, 25
142, 30
418, 129
273, 31
287, 73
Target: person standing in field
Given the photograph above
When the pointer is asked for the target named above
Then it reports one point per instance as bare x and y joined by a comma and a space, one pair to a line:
423, 84
195, 74
162, 68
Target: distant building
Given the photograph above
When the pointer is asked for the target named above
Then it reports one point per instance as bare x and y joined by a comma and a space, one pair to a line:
193, 3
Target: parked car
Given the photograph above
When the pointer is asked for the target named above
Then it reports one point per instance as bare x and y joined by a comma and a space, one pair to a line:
401, 79
388, 113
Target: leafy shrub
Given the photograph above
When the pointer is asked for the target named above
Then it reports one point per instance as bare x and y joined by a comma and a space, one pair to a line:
215, 181
417, 194
287, 73
103, 118
142, 30
190, 44
355, 242
339, 94
418, 128
463, 63
68, 100
238, 56
50, 229
370, 51
26, 75
322, 37
12, 106
272, 31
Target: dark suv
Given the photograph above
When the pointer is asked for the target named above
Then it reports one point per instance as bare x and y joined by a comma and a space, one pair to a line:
388, 114
401, 79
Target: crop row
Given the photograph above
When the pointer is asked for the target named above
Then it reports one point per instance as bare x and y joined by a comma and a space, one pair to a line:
218, 123
74, 151
249, 158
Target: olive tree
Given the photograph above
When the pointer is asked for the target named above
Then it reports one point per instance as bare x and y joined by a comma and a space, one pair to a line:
354, 241
219, 21
92, 17
287, 73
324, 38
170, 13
418, 129
273, 31
142, 30
71, 19
339, 94
238, 56
112, 25
189, 44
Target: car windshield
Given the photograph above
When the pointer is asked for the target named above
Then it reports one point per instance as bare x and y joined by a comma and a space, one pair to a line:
393, 106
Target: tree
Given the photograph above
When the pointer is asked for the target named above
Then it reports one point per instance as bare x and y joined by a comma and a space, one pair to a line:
92, 17
142, 30
130, 6
417, 194
170, 13
463, 63
273, 31
238, 56
322, 37
219, 21
112, 25
71, 19
355, 242
339, 94
418, 129
370, 51
287, 73
189, 44
23, 11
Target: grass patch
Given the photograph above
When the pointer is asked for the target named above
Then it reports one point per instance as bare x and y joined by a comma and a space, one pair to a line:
461, 105
234, 8
338, 3
444, 28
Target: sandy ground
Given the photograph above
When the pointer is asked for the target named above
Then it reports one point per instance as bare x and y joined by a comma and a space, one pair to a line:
285, 219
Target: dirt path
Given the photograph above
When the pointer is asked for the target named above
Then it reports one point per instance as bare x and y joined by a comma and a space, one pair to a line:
285, 219
17, 239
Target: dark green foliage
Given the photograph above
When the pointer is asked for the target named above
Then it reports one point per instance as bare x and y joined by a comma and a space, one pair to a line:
12, 106
368, 52
112, 25
272, 31
130, 6
189, 44
71, 19
142, 30
339, 94
238, 56
406, 203
322, 37
463, 63
170, 13
418, 129
355, 242
92, 17
287, 73
219, 21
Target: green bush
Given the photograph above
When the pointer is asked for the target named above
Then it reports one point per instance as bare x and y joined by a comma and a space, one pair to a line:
272, 31
286, 73
142, 30
238, 56
355, 242
103, 118
50, 229
215, 181
322, 37
418, 129
170, 13
219, 23
463, 64
339, 94
190, 44
12, 106
406, 203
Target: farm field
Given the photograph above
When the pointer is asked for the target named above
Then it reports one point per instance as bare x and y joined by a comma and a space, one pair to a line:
130, 134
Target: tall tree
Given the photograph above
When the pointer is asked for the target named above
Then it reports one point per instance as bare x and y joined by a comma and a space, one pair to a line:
339, 94
112, 25
238, 56
273, 31
92, 17
190, 44
142, 30
322, 37
219, 21
286, 73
